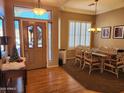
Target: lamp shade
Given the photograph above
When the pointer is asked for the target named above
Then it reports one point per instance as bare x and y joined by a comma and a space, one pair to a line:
94, 29
39, 11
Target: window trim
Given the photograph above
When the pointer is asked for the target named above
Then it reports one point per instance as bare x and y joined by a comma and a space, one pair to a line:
19, 33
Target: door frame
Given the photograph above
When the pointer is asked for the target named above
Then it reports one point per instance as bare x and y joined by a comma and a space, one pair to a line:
22, 35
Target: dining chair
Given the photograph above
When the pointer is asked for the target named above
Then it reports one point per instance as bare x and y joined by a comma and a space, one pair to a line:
79, 56
91, 61
70, 55
112, 51
114, 64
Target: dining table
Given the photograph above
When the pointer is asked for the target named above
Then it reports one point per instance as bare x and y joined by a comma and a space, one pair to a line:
103, 56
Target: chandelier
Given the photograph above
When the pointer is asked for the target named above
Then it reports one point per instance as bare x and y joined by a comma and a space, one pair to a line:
39, 10
95, 29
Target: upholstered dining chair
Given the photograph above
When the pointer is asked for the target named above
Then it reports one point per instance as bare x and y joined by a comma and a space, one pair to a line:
114, 64
91, 61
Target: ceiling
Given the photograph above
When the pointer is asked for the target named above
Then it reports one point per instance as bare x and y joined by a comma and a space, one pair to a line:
81, 6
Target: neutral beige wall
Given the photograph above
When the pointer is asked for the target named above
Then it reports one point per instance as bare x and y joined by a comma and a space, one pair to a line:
112, 18
65, 17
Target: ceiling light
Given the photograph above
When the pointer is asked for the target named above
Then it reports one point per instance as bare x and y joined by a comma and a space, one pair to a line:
95, 29
39, 10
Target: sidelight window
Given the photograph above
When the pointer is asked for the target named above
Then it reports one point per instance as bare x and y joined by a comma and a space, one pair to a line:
17, 36
50, 41
1, 32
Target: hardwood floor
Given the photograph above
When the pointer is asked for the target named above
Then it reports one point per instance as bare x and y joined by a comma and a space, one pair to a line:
53, 80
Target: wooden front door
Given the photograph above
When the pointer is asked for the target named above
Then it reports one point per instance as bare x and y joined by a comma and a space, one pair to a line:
35, 44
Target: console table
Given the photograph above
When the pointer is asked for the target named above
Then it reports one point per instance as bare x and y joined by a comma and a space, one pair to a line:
9, 73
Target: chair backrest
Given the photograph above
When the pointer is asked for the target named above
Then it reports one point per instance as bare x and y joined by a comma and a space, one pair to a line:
82, 52
119, 60
112, 51
70, 53
87, 55
78, 51
120, 55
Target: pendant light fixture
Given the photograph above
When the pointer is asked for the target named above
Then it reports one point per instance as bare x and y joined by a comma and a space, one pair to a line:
95, 29
39, 10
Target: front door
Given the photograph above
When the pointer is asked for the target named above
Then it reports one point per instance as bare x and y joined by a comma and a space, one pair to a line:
34, 44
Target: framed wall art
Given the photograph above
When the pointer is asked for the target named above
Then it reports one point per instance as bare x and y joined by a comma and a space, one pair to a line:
118, 32
106, 32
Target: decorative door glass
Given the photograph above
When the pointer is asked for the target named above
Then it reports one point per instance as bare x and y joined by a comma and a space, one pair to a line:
39, 36
30, 36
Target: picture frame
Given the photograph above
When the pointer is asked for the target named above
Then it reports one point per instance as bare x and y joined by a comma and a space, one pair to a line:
118, 32
106, 32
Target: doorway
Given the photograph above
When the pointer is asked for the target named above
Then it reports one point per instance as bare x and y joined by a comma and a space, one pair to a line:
34, 40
